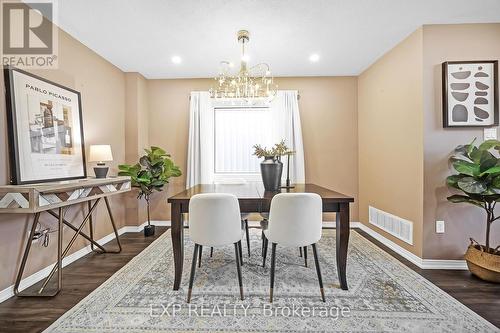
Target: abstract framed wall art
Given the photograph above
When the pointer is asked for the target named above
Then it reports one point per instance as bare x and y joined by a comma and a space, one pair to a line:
45, 129
470, 93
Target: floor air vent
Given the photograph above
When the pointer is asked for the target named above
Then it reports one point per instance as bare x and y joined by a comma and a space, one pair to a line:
396, 226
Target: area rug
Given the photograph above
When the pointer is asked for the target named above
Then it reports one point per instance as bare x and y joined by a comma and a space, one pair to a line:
384, 295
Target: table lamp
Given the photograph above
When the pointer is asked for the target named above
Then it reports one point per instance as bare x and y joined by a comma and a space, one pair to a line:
100, 154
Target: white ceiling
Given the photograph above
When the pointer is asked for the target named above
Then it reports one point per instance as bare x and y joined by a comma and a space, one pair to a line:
142, 36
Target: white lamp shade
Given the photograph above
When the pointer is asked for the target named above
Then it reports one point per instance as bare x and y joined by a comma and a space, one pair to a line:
100, 153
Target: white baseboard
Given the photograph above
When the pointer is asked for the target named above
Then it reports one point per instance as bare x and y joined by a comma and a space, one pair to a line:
43, 273
332, 225
444, 264
421, 263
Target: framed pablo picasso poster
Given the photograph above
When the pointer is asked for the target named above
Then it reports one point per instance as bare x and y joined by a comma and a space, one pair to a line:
45, 129
470, 93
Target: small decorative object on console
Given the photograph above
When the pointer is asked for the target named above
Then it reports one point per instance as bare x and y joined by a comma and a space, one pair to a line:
100, 154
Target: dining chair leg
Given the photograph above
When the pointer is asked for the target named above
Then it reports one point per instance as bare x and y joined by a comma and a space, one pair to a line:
273, 265
248, 236
264, 245
262, 238
318, 271
193, 268
237, 253
199, 256
241, 253
305, 255
300, 252
211, 251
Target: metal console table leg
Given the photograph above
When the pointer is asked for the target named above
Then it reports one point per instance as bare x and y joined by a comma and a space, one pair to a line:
25, 259
84, 235
58, 267
90, 237
60, 253
91, 231
115, 230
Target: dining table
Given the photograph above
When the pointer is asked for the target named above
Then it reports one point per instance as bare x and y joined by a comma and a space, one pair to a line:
253, 198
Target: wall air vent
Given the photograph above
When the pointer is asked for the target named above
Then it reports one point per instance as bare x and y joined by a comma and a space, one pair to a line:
394, 225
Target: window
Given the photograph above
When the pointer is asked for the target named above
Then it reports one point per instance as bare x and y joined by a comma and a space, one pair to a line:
223, 132
237, 129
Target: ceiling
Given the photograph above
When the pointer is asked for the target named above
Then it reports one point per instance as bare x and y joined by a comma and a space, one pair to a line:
143, 36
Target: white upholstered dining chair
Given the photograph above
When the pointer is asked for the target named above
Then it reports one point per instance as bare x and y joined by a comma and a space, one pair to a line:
244, 216
214, 220
295, 220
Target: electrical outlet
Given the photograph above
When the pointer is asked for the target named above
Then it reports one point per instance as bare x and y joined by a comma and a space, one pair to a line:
440, 227
490, 133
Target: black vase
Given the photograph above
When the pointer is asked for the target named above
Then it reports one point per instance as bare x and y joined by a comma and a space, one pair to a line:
271, 170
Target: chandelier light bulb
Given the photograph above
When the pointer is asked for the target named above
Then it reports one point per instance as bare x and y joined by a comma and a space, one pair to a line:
314, 57
176, 60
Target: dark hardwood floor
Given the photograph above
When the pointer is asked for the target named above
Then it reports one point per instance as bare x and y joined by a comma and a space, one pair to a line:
28, 314
85, 275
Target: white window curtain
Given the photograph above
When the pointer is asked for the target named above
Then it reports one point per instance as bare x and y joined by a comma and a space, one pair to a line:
201, 150
200, 163
285, 108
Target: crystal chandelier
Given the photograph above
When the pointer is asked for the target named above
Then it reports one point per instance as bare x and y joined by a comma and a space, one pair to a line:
249, 83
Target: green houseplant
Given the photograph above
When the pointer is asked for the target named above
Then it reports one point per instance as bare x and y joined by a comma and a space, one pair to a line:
151, 174
478, 179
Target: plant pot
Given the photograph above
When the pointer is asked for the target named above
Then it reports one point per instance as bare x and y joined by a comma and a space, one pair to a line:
149, 230
271, 170
485, 266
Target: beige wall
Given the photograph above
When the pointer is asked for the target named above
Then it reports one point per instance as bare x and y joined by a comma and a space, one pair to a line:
402, 114
102, 87
136, 138
391, 137
136, 116
329, 126
449, 43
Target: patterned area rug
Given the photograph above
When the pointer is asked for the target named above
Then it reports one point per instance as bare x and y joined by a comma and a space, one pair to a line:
384, 295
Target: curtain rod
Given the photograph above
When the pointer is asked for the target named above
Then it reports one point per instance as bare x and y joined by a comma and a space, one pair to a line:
298, 96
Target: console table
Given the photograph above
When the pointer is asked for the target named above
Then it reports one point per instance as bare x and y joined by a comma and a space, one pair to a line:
55, 198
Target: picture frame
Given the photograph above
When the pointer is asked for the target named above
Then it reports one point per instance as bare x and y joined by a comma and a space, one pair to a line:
470, 93
45, 129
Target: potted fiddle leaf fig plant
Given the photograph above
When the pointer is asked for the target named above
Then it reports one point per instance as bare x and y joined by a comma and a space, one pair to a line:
151, 174
272, 168
478, 179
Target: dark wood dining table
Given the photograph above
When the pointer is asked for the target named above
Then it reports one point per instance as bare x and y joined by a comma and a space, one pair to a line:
254, 199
